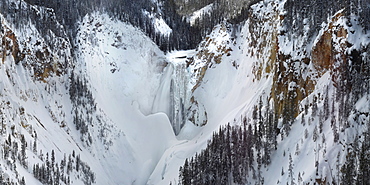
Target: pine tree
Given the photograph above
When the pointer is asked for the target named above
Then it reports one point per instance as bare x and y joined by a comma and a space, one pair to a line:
321, 122
34, 170
303, 121
323, 138
48, 172
300, 180
315, 134
2, 122
337, 166
314, 107
23, 181
335, 131
1, 177
23, 151
348, 169
35, 143
305, 133
52, 158
364, 161
69, 164
185, 173
326, 104
78, 163
297, 149
63, 163
290, 170
9, 140
56, 174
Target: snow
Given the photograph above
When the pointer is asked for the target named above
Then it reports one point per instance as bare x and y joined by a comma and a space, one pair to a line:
160, 25
39, 103
226, 91
123, 69
172, 94
141, 95
127, 95
180, 57
199, 13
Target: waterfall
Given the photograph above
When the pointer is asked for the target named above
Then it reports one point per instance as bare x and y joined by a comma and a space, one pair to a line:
180, 96
172, 95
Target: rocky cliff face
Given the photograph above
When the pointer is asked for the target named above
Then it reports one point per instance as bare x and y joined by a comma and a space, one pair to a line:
297, 44
314, 61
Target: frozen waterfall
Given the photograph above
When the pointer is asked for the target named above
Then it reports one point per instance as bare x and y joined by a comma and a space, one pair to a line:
173, 95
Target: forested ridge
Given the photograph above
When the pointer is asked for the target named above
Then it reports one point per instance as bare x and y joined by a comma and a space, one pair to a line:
183, 35
237, 152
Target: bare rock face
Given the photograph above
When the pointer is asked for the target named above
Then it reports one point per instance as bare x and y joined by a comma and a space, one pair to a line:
44, 50
297, 55
43, 60
324, 52
295, 49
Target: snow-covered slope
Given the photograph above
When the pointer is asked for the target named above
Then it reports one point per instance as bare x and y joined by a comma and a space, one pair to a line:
122, 69
296, 82
102, 104
99, 107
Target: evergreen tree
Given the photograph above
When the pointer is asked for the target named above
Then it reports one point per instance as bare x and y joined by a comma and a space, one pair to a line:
315, 134
34, 148
335, 131
56, 174
326, 104
23, 181
297, 149
305, 133
63, 163
23, 151
321, 121
337, 166
364, 161
52, 158
348, 169
300, 180
185, 173
69, 164
290, 170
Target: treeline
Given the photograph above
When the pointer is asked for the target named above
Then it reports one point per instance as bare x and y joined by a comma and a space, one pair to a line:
67, 13
14, 152
55, 173
227, 158
220, 10
184, 35
356, 169
20, 14
234, 153
84, 106
303, 14
48, 171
